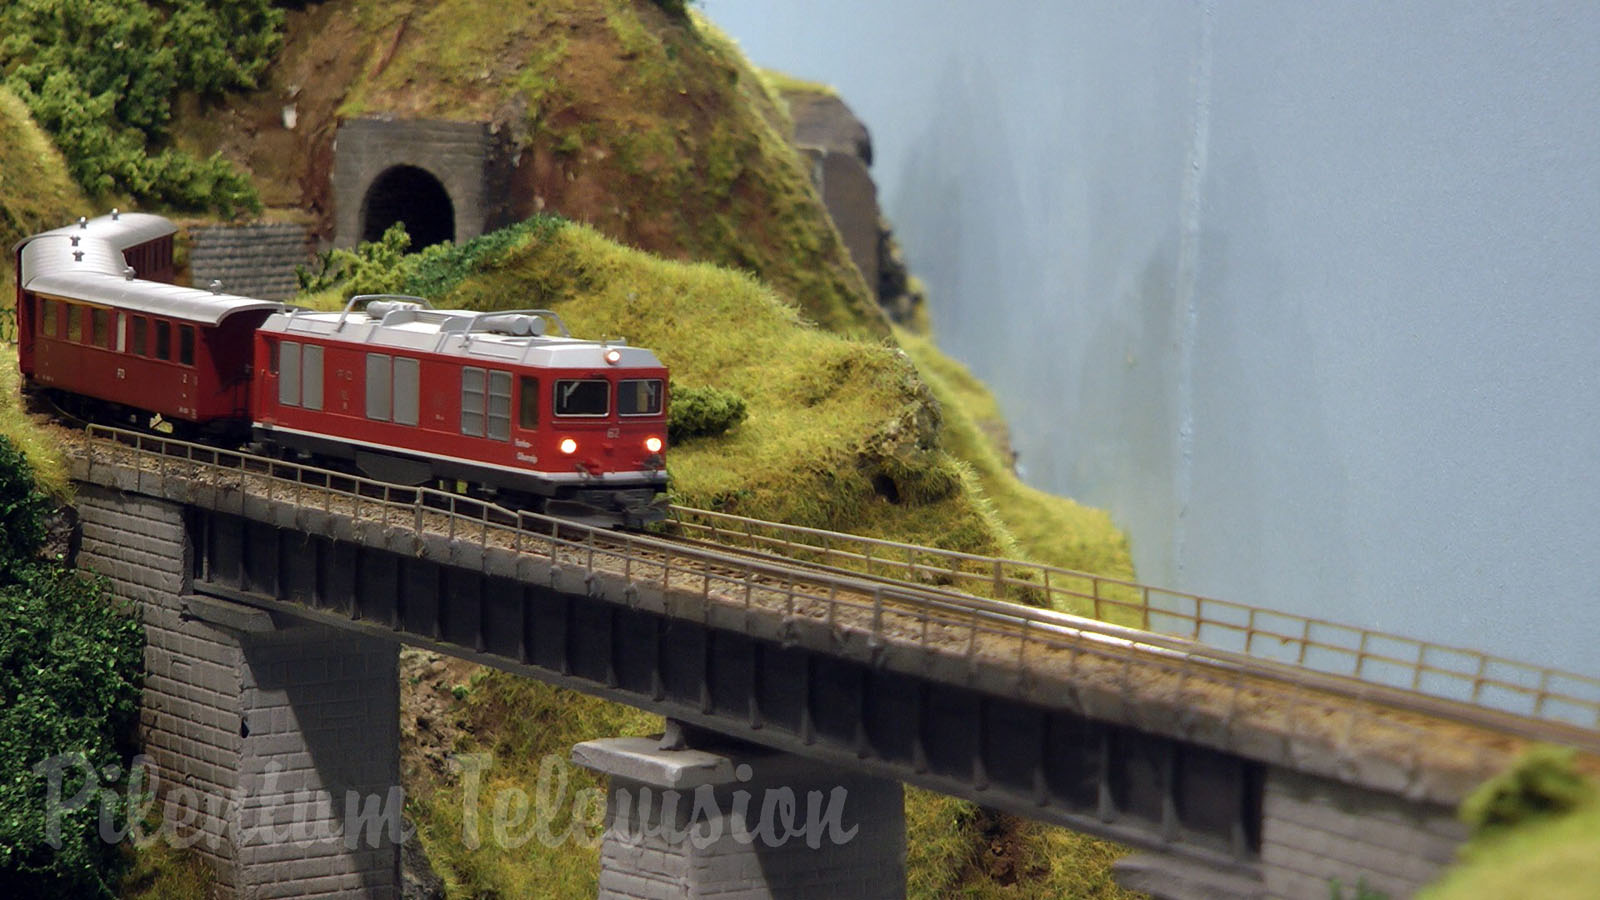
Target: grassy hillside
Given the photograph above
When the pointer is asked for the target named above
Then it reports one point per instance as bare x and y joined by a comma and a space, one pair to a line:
35, 191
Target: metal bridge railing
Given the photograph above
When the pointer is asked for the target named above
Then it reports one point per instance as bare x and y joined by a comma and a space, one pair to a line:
1392, 660
1026, 643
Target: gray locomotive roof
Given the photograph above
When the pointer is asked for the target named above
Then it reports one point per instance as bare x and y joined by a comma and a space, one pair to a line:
51, 265
447, 331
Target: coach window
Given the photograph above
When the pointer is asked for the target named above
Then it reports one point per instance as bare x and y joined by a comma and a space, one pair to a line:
122, 332
186, 344
163, 340
407, 386
47, 317
311, 376
100, 327
472, 401
289, 373
75, 314
379, 385
141, 327
528, 403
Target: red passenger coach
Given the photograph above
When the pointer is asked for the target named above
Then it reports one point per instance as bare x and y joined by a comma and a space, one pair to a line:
414, 394
93, 332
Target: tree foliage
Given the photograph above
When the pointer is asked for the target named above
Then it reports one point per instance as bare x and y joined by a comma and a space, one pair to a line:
101, 77
69, 663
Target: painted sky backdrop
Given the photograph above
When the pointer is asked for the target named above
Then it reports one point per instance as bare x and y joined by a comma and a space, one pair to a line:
1308, 295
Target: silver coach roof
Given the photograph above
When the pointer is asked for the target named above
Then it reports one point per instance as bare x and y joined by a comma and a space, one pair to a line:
93, 270
457, 332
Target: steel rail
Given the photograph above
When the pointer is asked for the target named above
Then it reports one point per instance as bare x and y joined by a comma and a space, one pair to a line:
946, 613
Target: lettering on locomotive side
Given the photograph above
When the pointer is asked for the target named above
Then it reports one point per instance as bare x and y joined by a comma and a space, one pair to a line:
528, 458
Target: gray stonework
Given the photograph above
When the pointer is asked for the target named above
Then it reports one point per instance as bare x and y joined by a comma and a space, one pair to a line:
852, 201
1314, 831
249, 260
255, 737
463, 157
723, 823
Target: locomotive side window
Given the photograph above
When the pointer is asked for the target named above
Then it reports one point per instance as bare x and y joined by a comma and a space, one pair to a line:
639, 397
472, 401
163, 340
47, 318
499, 406
407, 387
528, 404
186, 344
141, 331
289, 373
75, 314
311, 376
589, 397
379, 384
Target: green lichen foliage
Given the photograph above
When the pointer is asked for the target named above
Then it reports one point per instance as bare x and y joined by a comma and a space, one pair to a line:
101, 76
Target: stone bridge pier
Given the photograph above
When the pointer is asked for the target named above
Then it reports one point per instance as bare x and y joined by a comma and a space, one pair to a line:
275, 749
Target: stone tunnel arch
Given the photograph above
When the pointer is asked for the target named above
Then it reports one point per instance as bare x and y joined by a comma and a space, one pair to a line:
411, 195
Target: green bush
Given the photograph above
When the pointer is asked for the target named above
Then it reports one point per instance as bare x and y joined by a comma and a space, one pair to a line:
1545, 782
69, 663
373, 267
702, 412
101, 76
23, 508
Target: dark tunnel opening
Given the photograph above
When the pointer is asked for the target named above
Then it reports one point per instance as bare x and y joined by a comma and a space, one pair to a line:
413, 196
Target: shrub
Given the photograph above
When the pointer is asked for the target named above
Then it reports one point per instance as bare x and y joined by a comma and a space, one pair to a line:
1544, 782
23, 508
702, 412
101, 77
69, 664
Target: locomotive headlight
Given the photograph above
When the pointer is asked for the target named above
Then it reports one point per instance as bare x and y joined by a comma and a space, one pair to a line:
652, 444
569, 446
613, 356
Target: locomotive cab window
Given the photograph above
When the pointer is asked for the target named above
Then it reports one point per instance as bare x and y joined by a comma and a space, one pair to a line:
186, 344
528, 403
586, 397
639, 397
163, 340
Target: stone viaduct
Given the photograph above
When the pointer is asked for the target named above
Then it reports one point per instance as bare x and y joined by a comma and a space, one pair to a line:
274, 611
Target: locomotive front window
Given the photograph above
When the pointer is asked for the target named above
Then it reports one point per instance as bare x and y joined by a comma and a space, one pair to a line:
639, 397
186, 344
588, 397
141, 331
163, 340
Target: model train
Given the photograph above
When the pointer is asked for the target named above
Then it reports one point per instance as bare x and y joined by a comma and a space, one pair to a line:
400, 390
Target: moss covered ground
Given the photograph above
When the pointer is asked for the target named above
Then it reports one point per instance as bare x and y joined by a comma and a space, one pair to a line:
36, 193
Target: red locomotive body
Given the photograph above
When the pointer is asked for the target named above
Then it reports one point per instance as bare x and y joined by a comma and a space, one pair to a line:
411, 394
400, 390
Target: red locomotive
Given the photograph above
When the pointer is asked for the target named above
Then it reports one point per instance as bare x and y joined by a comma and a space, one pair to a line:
401, 390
